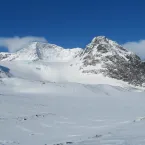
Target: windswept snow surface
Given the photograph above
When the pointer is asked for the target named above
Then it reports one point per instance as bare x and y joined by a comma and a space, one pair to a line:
49, 104
48, 113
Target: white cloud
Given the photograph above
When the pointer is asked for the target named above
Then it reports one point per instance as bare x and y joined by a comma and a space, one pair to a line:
136, 47
15, 43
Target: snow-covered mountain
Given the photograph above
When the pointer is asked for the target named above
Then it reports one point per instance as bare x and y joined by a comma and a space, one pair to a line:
102, 56
42, 51
111, 59
53, 96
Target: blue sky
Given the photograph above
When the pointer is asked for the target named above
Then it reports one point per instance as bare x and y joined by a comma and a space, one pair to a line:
73, 23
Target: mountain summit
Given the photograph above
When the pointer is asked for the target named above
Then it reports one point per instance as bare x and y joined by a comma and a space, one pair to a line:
111, 59
42, 51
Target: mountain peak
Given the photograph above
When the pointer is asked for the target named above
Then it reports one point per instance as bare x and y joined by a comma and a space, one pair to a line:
42, 51
104, 56
102, 44
103, 40
97, 38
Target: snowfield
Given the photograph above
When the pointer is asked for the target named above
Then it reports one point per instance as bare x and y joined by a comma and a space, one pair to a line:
38, 112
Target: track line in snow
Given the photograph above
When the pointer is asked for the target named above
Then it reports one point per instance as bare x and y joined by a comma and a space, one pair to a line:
24, 129
97, 120
61, 122
74, 135
31, 132
45, 125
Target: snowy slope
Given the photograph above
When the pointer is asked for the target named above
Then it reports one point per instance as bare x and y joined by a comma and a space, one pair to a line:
57, 72
44, 113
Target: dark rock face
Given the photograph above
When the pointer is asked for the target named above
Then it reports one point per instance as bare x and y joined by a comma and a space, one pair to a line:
116, 62
131, 71
4, 55
4, 72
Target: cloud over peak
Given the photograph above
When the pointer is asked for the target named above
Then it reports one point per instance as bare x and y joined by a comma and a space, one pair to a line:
136, 47
16, 43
